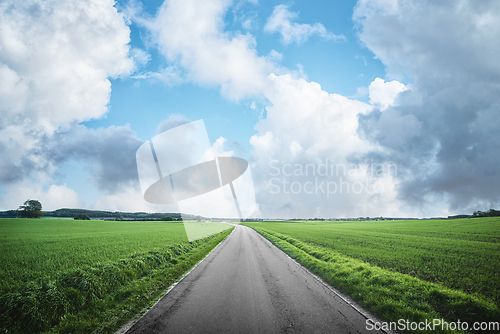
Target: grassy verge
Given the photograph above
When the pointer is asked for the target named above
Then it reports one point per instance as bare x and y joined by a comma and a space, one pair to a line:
36, 250
388, 294
461, 254
99, 298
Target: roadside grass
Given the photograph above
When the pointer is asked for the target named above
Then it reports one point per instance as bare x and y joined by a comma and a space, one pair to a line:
97, 295
36, 249
461, 254
388, 294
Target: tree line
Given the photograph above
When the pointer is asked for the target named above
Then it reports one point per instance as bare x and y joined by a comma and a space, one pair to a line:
490, 213
32, 208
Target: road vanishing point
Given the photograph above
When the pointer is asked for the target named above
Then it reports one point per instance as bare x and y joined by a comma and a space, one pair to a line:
248, 285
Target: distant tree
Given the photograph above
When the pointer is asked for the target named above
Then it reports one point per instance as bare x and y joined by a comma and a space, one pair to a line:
82, 216
31, 209
168, 219
493, 213
490, 213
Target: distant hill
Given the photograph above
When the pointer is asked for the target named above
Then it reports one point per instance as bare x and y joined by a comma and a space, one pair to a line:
100, 214
459, 216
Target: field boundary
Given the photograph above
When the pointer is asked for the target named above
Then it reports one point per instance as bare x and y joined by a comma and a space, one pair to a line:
125, 328
348, 300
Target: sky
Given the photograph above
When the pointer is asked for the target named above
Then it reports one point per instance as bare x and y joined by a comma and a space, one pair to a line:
342, 108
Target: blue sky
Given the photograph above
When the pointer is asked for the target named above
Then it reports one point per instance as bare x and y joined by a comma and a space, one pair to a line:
338, 66
359, 84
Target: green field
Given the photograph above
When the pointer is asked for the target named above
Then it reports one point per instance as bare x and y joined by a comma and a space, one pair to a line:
77, 276
403, 269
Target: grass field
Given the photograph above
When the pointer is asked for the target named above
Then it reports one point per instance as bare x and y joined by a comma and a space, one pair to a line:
403, 269
71, 276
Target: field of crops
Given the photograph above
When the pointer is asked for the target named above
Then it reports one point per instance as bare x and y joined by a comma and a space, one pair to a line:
76, 276
457, 259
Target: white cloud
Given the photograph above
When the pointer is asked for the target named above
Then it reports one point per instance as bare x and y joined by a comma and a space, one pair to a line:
383, 94
56, 58
308, 126
64, 52
438, 133
443, 131
432, 41
129, 199
275, 56
219, 149
362, 58
295, 148
394, 130
171, 122
281, 20
170, 75
190, 34
140, 57
55, 197
298, 104
303, 123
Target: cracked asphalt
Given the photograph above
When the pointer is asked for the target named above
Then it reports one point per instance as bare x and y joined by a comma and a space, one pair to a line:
247, 285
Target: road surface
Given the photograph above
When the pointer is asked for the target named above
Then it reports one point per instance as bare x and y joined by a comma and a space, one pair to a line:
247, 285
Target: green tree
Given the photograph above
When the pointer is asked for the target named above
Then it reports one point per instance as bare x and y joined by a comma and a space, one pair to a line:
168, 219
31, 209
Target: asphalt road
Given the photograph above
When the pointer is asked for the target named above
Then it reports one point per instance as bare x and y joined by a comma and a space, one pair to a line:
247, 285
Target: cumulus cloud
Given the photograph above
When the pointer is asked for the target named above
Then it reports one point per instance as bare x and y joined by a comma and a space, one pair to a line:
219, 148
302, 156
190, 34
53, 198
383, 94
445, 128
61, 54
281, 21
439, 130
129, 199
304, 124
107, 154
56, 58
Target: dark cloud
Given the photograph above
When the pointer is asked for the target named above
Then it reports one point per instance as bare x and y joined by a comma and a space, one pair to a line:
108, 152
450, 51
